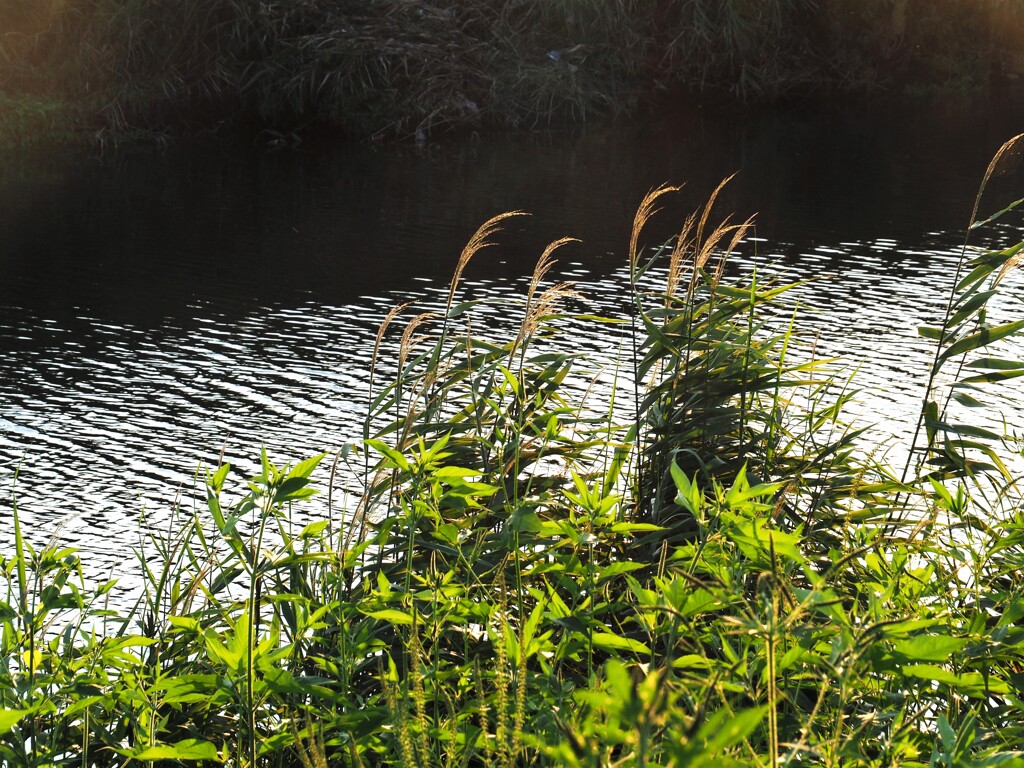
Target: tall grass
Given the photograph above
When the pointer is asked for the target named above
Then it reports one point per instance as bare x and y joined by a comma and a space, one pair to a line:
398, 68
694, 562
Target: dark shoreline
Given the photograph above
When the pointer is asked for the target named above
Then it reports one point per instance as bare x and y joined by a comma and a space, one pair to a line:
393, 69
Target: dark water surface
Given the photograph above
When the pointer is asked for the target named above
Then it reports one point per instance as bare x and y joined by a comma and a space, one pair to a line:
160, 306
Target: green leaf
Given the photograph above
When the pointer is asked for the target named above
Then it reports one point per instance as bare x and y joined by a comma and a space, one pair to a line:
455, 472
688, 495
972, 305
264, 477
314, 529
634, 527
725, 728
697, 602
396, 458
283, 681
979, 339
524, 520
615, 569
991, 378
963, 429
967, 401
931, 672
929, 647
305, 468
216, 480
448, 533
606, 641
996, 215
189, 749
10, 718
996, 364
293, 488
978, 273
187, 688
390, 615
218, 651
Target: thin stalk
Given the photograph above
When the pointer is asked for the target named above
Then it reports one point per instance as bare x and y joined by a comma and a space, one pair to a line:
746, 367
774, 424
944, 331
27, 617
252, 623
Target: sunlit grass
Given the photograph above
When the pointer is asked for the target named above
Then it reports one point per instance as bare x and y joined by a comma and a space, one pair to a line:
688, 566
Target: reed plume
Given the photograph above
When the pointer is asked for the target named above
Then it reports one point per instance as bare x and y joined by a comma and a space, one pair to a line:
409, 339
538, 307
684, 245
692, 241
1009, 152
544, 265
381, 330
997, 165
711, 204
644, 213
477, 242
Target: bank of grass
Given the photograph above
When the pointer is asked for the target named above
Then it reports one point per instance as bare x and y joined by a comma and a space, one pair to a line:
550, 565
399, 68
28, 120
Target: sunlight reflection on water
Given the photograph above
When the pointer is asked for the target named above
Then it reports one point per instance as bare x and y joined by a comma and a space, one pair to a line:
160, 309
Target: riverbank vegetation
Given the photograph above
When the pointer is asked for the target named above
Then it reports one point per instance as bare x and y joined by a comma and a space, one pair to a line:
678, 554
399, 68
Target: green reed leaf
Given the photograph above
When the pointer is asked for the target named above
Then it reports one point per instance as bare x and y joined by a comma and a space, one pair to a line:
979, 339
967, 400
997, 214
976, 302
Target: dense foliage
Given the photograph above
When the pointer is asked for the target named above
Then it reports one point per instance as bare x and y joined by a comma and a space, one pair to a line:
405, 67
683, 557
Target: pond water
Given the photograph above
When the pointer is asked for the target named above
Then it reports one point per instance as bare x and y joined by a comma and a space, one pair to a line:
160, 306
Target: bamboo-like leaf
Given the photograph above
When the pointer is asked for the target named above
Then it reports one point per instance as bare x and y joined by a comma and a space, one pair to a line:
971, 306
979, 339
187, 749
391, 616
977, 273
9, 718
725, 728
395, 457
991, 378
997, 214
305, 468
996, 364
607, 641
929, 647
967, 400
970, 430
